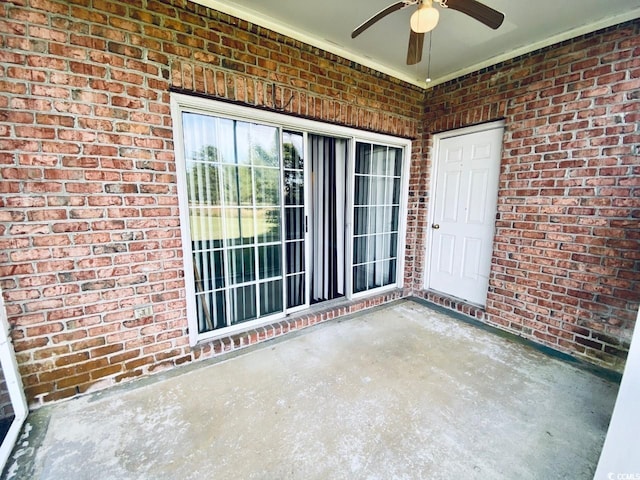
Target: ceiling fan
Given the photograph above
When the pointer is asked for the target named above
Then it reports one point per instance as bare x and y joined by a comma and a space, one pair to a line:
426, 16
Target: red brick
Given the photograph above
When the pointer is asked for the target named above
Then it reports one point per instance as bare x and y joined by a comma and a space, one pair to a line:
94, 147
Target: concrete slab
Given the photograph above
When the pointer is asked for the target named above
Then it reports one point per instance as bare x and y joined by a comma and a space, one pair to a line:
402, 392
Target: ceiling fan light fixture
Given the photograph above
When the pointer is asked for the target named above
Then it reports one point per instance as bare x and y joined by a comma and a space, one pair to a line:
425, 18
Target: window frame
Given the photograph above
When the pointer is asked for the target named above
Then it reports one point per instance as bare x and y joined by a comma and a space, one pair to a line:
401, 216
182, 103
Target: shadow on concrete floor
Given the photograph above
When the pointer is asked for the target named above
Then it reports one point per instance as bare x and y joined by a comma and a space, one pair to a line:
400, 392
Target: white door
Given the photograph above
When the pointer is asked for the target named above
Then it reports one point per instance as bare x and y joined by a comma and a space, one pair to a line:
463, 214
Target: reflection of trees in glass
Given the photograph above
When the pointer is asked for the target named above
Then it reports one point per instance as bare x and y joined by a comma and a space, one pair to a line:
292, 150
242, 186
203, 177
209, 154
206, 167
267, 180
237, 185
261, 156
293, 181
267, 190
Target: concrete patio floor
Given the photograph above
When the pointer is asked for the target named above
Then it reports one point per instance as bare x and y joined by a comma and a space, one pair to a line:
400, 392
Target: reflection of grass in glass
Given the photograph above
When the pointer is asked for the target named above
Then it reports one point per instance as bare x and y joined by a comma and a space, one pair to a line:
206, 224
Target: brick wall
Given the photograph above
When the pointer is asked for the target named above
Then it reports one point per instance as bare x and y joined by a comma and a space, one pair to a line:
89, 225
565, 268
89, 222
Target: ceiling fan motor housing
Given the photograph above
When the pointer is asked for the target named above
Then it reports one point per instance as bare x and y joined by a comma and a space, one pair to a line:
426, 17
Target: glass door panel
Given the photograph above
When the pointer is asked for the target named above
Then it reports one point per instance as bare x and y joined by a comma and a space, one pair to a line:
294, 218
376, 210
235, 209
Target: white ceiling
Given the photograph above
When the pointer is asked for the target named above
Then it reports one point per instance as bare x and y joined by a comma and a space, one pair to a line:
459, 43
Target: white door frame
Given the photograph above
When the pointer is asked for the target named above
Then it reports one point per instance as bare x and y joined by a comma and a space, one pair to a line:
435, 152
13, 382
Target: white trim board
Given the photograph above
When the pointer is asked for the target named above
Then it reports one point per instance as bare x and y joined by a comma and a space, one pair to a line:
620, 457
271, 23
14, 385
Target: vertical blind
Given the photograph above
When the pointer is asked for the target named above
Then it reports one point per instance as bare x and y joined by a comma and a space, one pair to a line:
328, 163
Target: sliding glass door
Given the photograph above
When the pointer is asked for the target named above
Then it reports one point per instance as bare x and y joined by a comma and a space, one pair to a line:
233, 172
277, 216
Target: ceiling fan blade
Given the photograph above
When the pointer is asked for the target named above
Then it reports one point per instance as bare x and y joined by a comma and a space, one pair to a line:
487, 15
379, 16
414, 52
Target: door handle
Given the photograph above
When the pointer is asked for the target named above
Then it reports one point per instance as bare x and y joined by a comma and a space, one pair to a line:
435, 226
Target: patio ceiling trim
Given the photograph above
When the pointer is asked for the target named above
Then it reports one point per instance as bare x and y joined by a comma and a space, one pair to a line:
272, 24
576, 32
258, 18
